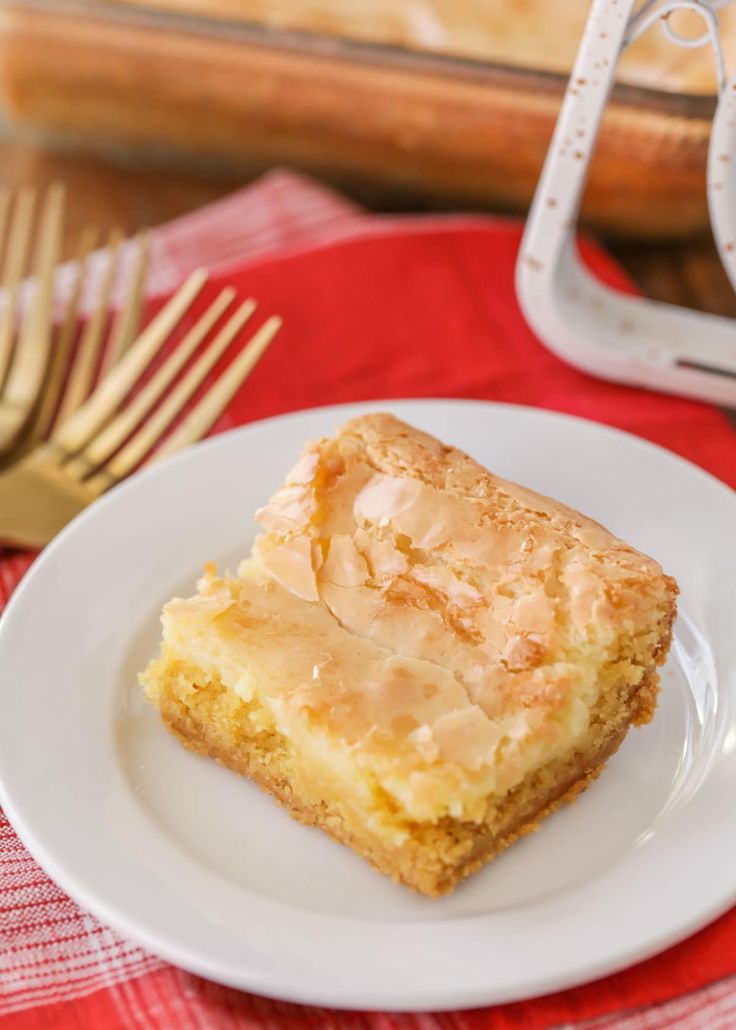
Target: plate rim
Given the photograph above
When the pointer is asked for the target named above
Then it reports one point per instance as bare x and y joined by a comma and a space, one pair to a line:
442, 998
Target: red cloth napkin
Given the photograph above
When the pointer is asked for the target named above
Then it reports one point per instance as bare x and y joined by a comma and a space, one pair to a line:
396, 308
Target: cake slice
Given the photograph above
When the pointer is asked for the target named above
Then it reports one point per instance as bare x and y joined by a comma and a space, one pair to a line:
420, 658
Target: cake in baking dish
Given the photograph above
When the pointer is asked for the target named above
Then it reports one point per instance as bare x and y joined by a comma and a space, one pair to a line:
543, 35
419, 657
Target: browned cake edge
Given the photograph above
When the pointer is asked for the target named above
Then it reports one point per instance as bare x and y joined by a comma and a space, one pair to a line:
435, 857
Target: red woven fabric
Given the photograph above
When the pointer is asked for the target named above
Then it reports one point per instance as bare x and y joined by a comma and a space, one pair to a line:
406, 308
430, 311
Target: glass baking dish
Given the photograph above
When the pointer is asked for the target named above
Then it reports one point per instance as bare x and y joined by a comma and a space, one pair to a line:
396, 117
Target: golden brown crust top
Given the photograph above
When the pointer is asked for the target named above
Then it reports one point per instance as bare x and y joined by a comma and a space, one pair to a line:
397, 449
387, 507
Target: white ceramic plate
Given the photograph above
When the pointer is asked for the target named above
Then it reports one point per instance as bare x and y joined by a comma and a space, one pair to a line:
197, 865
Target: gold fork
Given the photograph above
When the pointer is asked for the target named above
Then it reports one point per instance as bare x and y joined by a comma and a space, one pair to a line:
106, 439
39, 363
24, 355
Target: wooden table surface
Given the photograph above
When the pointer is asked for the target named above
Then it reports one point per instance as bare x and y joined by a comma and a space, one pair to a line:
110, 193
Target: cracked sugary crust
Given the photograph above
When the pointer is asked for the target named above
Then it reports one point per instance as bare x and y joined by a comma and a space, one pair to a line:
395, 448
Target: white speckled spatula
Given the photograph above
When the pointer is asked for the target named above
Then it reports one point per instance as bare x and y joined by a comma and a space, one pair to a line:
628, 339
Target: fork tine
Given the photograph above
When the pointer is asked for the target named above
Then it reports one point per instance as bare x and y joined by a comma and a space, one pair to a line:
127, 459
85, 361
5, 198
84, 423
112, 436
127, 322
205, 414
16, 256
44, 416
28, 369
